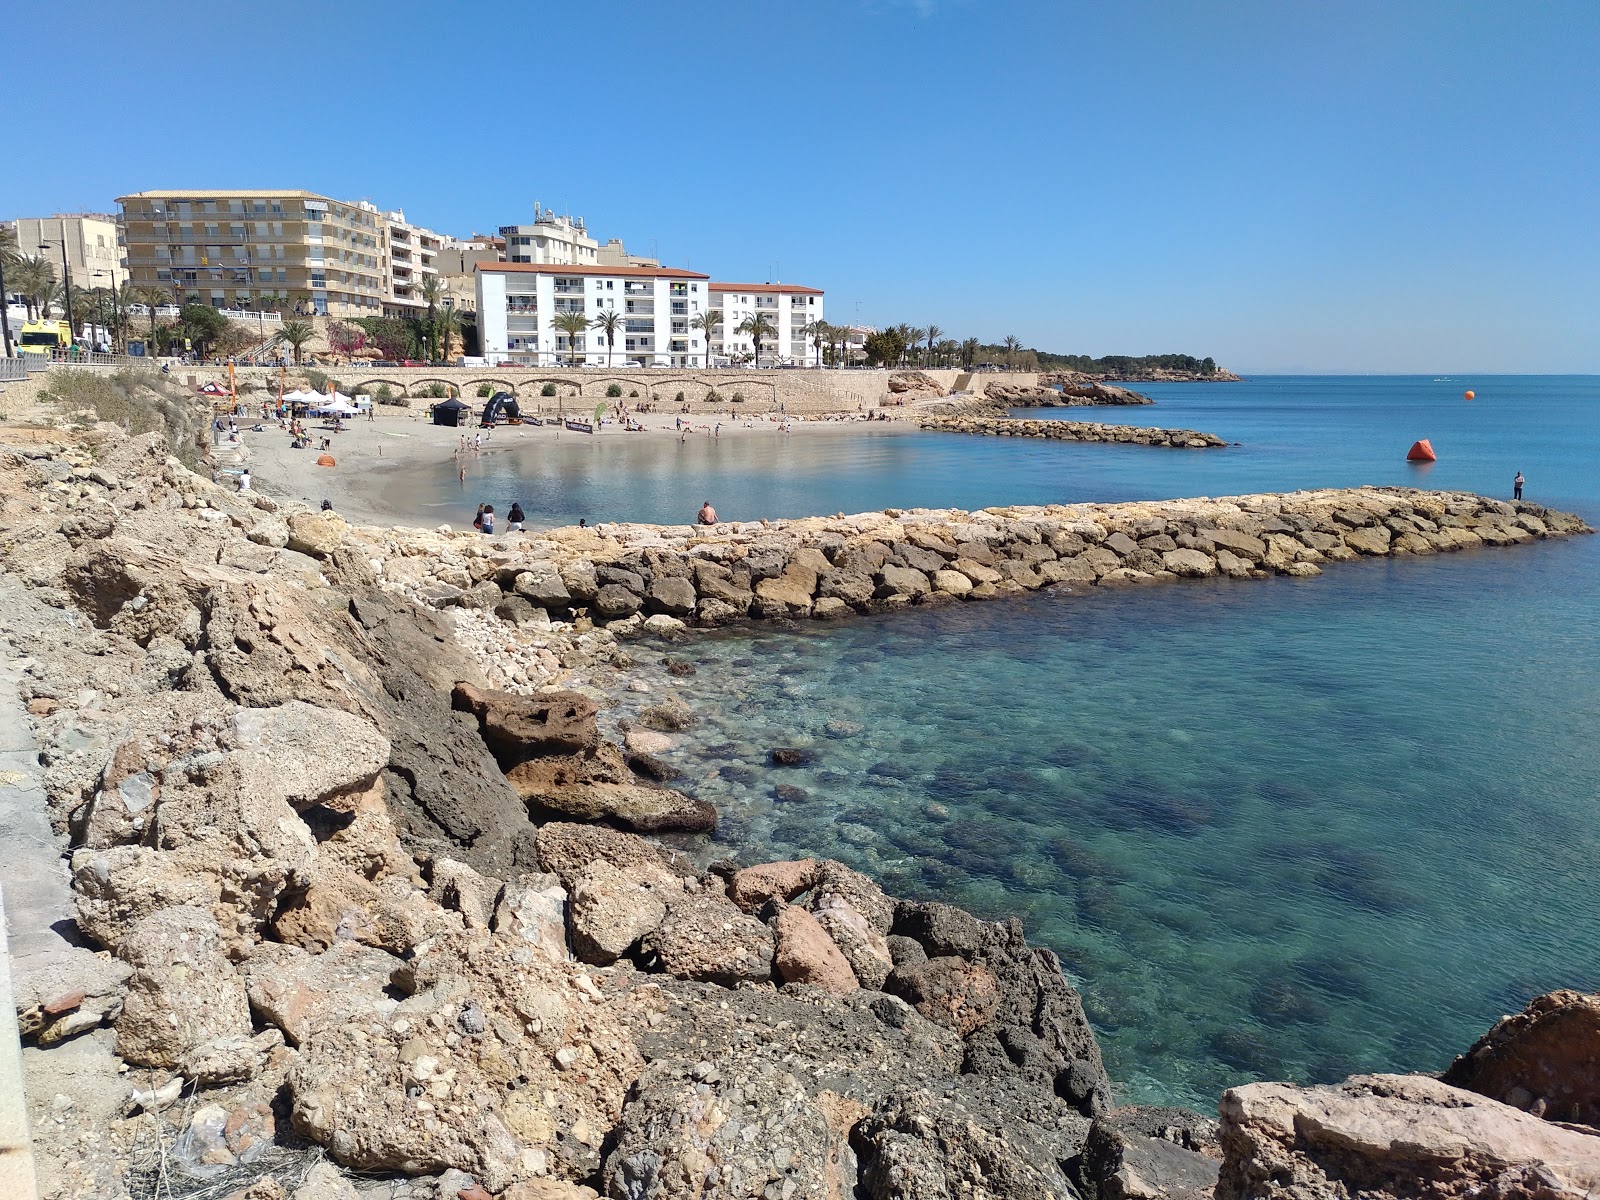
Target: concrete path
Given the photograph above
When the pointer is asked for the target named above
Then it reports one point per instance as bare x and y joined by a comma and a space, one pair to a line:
38, 889
35, 907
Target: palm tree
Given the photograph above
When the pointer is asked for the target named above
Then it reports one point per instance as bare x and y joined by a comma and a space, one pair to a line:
969, 352
820, 333
707, 323
32, 276
932, 333
431, 288
608, 323
908, 337
573, 324
296, 334
151, 295
447, 324
1012, 345
758, 325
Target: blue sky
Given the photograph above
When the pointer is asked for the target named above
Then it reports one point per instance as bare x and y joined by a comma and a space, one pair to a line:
1350, 186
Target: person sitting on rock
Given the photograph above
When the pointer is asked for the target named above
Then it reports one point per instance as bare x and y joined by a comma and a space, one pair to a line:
707, 514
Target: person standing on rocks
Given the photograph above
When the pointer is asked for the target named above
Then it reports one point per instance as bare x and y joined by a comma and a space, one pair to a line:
1516, 486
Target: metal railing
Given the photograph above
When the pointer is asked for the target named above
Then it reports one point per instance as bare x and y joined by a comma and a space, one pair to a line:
34, 362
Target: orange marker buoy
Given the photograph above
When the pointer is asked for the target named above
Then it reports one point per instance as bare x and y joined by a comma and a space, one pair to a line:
1469, 395
326, 460
1421, 452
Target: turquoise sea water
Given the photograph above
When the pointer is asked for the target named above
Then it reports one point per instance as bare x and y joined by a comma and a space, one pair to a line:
1285, 829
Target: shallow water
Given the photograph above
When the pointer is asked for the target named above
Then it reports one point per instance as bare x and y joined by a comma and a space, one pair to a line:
1279, 829
1293, 433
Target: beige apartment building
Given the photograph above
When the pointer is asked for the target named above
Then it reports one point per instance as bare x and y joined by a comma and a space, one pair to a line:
94, 255
409, 254
234, 249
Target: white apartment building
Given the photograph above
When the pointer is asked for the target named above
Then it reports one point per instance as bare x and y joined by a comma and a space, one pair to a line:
407, 256
789, 307
656, 308
561, 240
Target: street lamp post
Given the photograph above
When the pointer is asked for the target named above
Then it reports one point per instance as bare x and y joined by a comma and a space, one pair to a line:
66, 281
5, 308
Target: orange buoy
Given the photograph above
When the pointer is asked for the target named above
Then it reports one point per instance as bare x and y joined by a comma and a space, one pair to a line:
326, 460
1421, 452
1469, 395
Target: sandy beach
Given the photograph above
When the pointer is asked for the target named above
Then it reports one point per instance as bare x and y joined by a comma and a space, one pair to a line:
369, 453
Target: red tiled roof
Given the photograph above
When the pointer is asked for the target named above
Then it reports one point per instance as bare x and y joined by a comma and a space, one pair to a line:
559, 269
765, 288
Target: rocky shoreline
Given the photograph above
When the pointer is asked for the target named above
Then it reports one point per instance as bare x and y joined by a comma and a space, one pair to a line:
1074, 431
1068, 393
358, 886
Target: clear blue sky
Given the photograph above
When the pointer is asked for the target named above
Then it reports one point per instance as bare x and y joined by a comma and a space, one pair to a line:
1344, 186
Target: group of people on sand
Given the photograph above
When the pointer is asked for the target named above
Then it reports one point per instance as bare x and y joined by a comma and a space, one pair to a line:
484, 521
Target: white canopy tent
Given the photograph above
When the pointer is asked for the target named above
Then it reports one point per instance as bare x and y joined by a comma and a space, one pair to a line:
336, 404
299, 397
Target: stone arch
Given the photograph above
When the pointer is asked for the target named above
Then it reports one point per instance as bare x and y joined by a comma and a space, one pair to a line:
499, 383
368, 384
451, 386
597, 387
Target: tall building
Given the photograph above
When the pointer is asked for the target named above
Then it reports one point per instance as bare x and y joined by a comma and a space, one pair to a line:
94, 251
655, 307
409, 254
235, 248
788, 307
458, 260
559, 240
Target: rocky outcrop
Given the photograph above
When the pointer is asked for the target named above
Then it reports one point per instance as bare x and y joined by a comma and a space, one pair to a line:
1544, 1060
1395, 1135
1150, 1154
1074, 431
1067, 393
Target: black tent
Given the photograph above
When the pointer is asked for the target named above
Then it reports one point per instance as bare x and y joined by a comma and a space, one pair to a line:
502, 406
449, 412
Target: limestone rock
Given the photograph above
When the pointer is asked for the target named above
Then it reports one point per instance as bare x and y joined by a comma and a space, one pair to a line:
1150, 1154
183, 996
1370, 540
948, 990
706, 937
733, 1129
672, 595
533, 909
542, 585
518, 728
318, 534
634, 805
296, 991
864, 948
565, 849
806, 954
1193, 564
752, 887
1544, 1060
1396, 1135
610, 912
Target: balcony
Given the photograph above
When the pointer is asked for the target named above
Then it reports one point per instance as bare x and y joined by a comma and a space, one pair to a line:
641, 308
680, 308
569, 306
574, 288
638, 289
767, 303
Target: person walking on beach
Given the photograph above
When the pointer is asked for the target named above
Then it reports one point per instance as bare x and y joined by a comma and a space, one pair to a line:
707, 514
515, 518
1516, 486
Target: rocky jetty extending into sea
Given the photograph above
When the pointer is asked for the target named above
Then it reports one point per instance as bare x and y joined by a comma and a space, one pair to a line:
1074, 431
357, 889
1058, 392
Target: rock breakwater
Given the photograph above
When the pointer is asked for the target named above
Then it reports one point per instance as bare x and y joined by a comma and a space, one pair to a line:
1071, 393
1074, 431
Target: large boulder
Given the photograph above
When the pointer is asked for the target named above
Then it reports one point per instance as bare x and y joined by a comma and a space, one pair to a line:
517, 728
806, 954
184, 1001
296, 991
566, 848
1544, 1060
752, 887
1150, 1154
1395, 1135
318, 534
706, 937
948, 990
732, 1128
600, 787
610, 912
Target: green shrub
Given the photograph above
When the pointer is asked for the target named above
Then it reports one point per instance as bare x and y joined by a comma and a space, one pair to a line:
382, 394
485, 390
316, 380
713, 397
435, 391
634, 394
737, 398
548, 389
613, 390
679, 398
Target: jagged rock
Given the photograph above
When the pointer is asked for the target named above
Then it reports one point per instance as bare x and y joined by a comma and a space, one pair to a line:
1544, 1060
730, 1128
1150, 1154
806, 954
296, 991
518, 728
183, 997
613, 601
610, 912
565, 849
949, 990
706, 937
672, 595
542, 585
864, 948
943, 929
502, 1064
458, 888
835, 880
533, 909
318, 534
917, 1147
1395, 1135
636, 806
752, 887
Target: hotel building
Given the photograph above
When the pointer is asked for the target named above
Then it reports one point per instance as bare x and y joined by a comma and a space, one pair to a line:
231, 249
789, 307
518, 303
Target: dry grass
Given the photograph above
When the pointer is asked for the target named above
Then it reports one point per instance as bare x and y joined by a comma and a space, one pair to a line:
137, 401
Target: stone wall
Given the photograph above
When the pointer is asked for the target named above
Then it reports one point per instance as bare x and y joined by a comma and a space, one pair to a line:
802, 392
